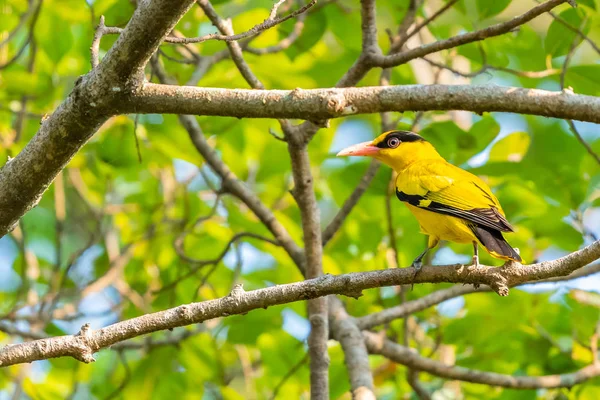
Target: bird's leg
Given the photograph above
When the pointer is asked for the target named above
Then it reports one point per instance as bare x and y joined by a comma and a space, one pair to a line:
417, 264
475, 254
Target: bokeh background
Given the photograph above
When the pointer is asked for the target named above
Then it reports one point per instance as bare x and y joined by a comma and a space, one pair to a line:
130, 228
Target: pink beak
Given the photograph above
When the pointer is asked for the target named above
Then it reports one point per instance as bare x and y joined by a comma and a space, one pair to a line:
360, 149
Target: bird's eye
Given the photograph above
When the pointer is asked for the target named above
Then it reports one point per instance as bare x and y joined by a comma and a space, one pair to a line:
393, 143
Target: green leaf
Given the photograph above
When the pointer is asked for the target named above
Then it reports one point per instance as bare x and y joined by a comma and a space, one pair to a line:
560, 38
584, 79
487, 8
53, 35
118, 147
314, 29
482, 9
511, 148
589, 3
245, 329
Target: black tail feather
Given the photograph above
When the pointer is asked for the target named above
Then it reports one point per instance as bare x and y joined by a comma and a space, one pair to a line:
495, 243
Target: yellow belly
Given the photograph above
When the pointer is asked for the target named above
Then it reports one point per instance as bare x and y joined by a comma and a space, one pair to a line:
442, 227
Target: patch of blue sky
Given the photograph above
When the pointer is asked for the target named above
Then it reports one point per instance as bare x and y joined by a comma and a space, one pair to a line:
43, 248
295, 324
39, 371
446, 255
348, 133
8, 254
82, 270
252, 259
450, 308
184, 170
94, 309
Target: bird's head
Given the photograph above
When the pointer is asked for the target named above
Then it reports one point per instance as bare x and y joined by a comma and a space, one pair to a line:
394, 148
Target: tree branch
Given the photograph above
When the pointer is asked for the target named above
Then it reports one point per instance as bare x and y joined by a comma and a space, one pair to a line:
320, 104
268, 23
370, 47
459, 40
235, 50
437, 297
346, 332
403, 355
82, 345
304, 194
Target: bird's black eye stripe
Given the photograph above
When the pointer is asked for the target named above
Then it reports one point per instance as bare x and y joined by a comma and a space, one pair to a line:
400, 136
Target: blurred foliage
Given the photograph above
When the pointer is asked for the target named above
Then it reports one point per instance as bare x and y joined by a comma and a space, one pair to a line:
122, 216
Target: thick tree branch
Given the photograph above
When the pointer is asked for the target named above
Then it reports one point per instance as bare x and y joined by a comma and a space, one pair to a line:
403, 355
320, 104
82, 345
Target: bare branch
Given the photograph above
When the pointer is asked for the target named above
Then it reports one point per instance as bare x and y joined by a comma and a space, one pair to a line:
234, 48
437, 297
347, 333
430, 19
304, 195
585, 144
370, 47
199, 264
574, 129
285, 42
100, 31
82, 345
403, 355
575, 29
287, 376
526, 74
322, 104
268, 23
459, 40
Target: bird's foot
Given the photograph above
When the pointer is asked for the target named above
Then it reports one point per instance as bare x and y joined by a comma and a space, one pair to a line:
475, 262
417, 265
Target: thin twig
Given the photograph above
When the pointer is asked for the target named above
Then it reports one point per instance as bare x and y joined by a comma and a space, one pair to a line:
574, 129
288, 375
350, 202
268, 23
470, 37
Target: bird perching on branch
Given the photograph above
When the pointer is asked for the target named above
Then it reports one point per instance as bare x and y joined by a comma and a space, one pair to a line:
449, 203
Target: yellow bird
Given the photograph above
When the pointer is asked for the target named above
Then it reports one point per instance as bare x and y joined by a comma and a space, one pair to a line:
449, 203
